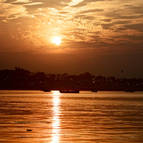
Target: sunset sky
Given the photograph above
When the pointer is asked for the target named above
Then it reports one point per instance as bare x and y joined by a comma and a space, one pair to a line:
99, 36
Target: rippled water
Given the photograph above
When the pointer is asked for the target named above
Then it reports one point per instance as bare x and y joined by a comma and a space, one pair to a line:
102, 117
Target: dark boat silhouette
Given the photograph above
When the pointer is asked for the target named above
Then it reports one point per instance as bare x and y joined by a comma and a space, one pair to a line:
129, 90
69, 91
94, 90
46, 90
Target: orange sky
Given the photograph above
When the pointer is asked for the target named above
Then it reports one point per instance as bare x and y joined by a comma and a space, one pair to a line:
98, 32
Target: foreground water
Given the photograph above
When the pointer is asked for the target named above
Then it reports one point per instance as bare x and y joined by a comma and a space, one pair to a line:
102, 117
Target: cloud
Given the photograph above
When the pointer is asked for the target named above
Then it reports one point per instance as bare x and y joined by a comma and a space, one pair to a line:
91, 11
9, 11
82, 23
85, 2
75, 2
21, 1
137, 26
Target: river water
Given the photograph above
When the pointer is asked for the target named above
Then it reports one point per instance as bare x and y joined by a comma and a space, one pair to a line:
87, 117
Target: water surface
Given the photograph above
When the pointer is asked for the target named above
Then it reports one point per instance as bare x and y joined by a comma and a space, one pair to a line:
102, 117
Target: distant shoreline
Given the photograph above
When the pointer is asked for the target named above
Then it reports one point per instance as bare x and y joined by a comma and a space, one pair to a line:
67, 90
21, 79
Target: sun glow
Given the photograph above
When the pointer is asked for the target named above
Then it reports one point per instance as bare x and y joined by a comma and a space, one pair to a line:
56, 40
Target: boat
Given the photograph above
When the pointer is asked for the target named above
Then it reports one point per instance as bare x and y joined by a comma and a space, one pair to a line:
129, 90
94, 90
46, 90
69, 91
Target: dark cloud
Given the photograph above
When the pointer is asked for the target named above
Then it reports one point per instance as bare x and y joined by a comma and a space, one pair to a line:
121, 15
135, 9
81, 16
91, 11
137, 26
112, 25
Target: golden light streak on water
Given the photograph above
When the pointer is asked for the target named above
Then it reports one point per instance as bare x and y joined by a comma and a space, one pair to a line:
56, 117
56, 92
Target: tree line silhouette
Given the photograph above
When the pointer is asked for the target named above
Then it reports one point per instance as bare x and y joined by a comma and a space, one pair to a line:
21, 79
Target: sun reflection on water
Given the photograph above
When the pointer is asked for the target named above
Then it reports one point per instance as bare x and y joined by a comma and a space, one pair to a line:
56, 117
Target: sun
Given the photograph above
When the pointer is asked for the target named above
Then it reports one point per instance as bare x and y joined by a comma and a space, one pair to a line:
56, 40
